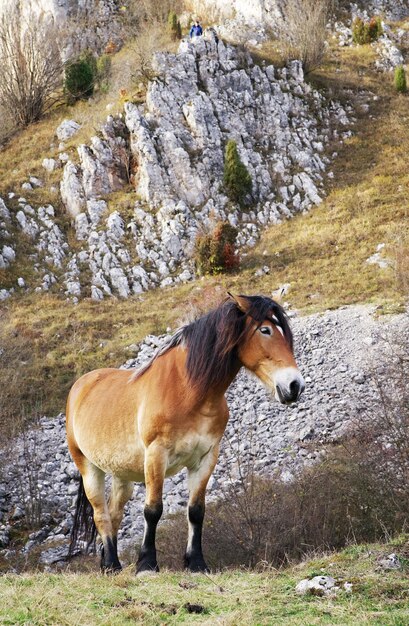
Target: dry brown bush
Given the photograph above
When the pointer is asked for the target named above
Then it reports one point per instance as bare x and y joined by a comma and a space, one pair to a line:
31, 66
147, 12
303, 30
151, 38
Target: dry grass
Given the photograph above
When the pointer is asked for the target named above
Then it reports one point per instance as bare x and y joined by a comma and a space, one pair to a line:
47, 343
230, 598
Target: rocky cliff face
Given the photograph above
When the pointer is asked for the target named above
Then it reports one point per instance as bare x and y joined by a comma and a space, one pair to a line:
201, 97
86, 23
265, 12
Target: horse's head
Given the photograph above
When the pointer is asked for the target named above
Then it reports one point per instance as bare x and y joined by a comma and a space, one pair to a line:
267, 349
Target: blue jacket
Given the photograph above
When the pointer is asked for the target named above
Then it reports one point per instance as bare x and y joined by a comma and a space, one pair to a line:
196, 31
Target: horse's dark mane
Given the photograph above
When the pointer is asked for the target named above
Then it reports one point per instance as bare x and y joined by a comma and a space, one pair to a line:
213, 339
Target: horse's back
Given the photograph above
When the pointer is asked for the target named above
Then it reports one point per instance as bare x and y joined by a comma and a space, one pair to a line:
97, 383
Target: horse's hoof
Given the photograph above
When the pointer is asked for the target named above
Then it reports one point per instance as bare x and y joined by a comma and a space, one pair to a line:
196, 566
146, 572
199, 570
146, 568
111, 570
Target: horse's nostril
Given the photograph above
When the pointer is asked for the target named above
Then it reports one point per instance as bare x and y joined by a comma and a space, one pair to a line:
295, 388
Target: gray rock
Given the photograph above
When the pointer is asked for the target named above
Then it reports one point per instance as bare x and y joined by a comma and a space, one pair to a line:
50, 165
67, 129
72, 191
319, 585
390, 562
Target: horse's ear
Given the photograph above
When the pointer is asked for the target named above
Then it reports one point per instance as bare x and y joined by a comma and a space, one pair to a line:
241, 302
279, 293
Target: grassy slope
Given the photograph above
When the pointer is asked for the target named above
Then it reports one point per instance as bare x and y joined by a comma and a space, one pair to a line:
233, 597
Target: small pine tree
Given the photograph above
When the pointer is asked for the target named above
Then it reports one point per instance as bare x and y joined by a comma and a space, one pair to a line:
366, 32
358, 31
379, 29
174, 26
400, 79
236, 179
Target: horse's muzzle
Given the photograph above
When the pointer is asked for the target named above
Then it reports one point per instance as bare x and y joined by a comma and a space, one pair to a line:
289, 388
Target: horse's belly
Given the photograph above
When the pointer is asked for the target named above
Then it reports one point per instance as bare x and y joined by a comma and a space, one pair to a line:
190, 453
125, 461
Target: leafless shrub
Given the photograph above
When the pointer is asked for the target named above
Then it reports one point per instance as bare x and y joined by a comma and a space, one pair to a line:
383, 429
303, 30
30, 66
140, 13
152, 38
26, 471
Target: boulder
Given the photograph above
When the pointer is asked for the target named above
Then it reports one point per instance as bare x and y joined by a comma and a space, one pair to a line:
67, 129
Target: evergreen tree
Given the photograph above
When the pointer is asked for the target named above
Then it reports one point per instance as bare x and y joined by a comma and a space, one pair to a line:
400, 79
236, 179
174, 26
80, 77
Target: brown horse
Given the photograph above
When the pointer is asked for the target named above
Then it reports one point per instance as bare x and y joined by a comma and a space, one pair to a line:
146, 424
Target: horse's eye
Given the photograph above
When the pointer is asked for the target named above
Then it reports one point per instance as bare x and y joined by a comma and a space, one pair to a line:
266, 330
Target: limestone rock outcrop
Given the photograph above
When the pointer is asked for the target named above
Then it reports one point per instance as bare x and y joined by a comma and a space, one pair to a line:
172, 150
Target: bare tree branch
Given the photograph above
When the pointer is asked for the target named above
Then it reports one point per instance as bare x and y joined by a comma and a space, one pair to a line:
31, 66
304, 30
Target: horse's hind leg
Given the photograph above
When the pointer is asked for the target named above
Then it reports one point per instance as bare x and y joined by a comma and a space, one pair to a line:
197, 482
121, 492
94, 485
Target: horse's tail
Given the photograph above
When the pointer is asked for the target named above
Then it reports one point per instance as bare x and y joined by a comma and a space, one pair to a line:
83, 528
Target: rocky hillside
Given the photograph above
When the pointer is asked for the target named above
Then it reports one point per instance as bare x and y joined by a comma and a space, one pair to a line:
335, 350
173, 146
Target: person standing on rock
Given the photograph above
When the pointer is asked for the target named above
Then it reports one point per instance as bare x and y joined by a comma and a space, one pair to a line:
196, 30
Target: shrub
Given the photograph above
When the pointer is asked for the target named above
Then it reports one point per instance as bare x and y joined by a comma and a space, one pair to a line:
303, 31
358, 31
236, 178
80, 76
31, 66
174, 26
215, 251
400, 79
111, 47
150, 39
374, 28
366, 32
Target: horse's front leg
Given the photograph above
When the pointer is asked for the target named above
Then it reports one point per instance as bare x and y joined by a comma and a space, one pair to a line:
155, 467
197, 481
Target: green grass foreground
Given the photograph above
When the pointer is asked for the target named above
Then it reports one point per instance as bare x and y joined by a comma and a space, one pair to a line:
233, 597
